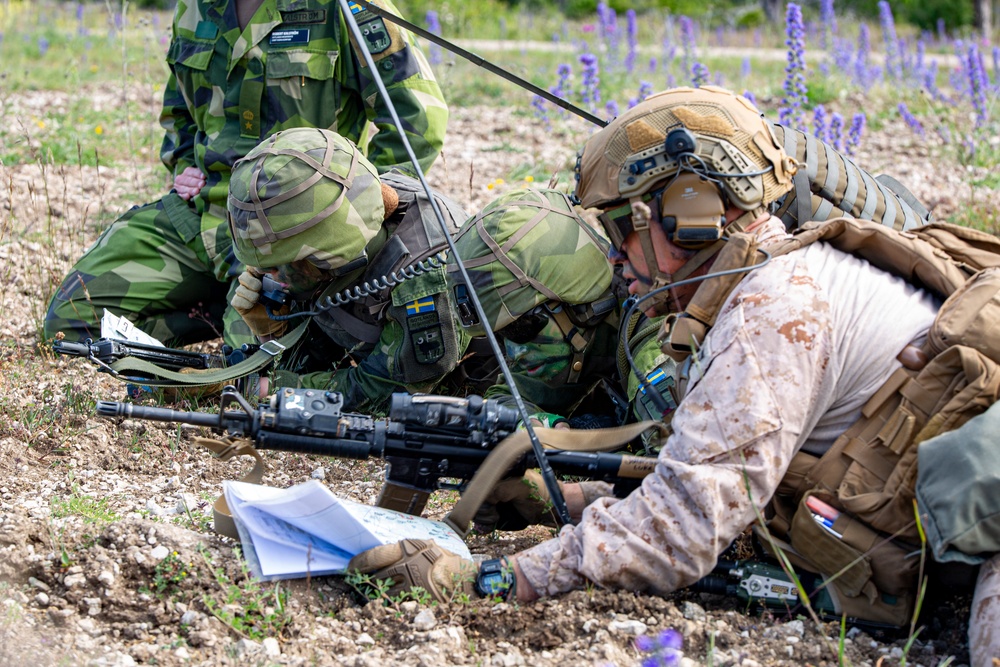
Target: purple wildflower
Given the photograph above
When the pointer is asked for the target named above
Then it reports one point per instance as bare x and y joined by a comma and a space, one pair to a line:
433, 27
828, 23
941, 33
562, 87
589, 92
608, 23
632, 37
750, 97
645, 89
862, 72
699, 74
978, 83
892, 64
836, 132
791, 112
855, 132
996, 67
652, 64
745, 69
611, 108
541, 111
910, 119
819, 123
43, 46
688, 43
664, 650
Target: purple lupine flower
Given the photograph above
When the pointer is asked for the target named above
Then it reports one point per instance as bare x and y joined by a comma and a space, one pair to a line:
745, 69
843, 54
699, 74
632, 39
664, 650
892, 64
563, 88
652, 64
611, 108
835, 134
910, 120
862, 71
854, 133
719, 79
589, 92
828, 23
720, 36
433, 27
978, 83
996, 67
79, 12
608, 24
43, 46
645, 90
820, 130
791, 112
671, 81
750, 97
688, 43
941, 33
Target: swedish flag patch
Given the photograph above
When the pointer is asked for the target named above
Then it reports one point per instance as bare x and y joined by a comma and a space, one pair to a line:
653, 378
419, 306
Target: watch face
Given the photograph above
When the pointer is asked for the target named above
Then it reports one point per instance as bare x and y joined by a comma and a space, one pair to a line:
494, 579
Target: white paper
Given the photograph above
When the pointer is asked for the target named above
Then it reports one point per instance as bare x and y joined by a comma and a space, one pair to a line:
121, 328
308, 531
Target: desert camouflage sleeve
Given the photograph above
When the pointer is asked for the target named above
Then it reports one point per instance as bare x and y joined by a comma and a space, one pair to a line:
734, 435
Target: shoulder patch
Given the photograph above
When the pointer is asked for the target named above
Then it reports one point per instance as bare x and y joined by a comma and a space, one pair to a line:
381, 38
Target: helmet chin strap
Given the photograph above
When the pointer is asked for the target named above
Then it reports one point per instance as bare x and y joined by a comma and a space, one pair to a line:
666, 302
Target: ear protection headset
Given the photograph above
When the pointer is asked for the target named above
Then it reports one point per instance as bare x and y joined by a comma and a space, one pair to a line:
691, 208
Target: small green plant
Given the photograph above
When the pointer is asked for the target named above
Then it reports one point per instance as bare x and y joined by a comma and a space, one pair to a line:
379, 590
169, 574
248, 608
91, 509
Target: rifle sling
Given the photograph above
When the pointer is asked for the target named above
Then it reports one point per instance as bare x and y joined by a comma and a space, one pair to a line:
510, 450
253, 364
224, 450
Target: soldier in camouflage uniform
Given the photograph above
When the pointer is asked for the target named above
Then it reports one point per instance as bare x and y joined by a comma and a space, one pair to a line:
241, 70
307, 208
789, 354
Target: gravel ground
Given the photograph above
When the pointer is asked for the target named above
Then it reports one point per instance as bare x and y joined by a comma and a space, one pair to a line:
106, 552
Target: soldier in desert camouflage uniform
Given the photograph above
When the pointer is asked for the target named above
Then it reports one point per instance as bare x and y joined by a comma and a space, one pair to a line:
794, 350
306, 207
241, 70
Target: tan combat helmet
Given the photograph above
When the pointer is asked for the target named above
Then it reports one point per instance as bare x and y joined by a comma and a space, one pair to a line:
681, 158
306, 194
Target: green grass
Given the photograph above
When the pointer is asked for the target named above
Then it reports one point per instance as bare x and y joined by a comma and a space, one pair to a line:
89, 508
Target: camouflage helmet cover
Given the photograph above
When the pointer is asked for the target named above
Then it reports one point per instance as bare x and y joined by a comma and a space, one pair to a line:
304, 194
628, 157
526, 248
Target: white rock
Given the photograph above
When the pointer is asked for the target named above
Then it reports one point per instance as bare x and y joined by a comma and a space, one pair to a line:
40, 585
365, 639
73, 580
246, 647
318, 473
159, 553
106, 578
630, 627
590, 624
272, 648
692, 611
182, 653
191, 617
424, 621
155, 510
42, 599
173, 483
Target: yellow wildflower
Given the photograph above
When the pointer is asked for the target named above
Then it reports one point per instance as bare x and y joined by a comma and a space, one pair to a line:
98, 130
529, 178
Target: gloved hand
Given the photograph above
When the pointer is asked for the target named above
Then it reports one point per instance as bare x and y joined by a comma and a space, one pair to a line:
516, 503
246, 301
194, 393
412, 563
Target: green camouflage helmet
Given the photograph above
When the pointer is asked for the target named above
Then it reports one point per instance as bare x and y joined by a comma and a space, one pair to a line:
527, 248
304, 193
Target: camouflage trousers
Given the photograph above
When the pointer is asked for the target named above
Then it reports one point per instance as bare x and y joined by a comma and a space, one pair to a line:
984, 621
151, 266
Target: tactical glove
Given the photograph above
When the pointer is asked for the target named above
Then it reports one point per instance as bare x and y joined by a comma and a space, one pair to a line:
418, 563
519, 502
246, 301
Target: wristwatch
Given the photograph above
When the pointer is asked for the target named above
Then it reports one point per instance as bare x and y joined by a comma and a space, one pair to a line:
496, 578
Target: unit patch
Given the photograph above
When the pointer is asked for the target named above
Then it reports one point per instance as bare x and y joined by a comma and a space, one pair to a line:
381, 39
289, 37
425, 330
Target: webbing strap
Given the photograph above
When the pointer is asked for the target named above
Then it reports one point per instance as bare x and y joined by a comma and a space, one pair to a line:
224, 450
361, 330
510, 450
253, 364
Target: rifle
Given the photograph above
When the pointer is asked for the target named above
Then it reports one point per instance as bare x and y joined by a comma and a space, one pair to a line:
426, 440
105, 351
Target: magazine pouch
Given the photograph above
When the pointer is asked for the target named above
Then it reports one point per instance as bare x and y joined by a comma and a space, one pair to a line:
870, 576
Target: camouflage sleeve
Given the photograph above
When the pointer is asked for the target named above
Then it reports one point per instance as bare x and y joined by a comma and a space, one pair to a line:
733, 439
177, 151
415, 94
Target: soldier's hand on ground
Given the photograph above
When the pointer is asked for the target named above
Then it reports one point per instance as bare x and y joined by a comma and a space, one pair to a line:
189, 183
418, 563
246, 301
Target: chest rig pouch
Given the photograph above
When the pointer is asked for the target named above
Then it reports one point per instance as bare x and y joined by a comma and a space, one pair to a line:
868, 543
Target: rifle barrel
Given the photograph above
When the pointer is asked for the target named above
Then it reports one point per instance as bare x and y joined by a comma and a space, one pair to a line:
117, 409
